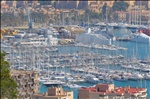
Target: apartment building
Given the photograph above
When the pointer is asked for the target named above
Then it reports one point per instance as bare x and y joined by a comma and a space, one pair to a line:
149, 4
132, 16
27, 82
54, 93
109, 91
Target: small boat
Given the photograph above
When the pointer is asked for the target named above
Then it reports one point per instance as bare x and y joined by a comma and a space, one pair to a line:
122, 78
136, 77
107, 79
147, 76
74, 86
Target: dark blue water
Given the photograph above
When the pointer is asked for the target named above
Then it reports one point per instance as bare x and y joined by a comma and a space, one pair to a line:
138, 50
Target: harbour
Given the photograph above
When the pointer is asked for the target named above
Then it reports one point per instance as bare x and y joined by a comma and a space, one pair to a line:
75, 49
74, 61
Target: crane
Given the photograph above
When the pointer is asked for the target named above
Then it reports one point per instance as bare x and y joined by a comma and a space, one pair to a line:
30, 22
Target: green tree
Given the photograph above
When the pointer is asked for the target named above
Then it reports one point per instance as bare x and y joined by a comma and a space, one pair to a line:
45, 2
8, 85
120, 6
104, 9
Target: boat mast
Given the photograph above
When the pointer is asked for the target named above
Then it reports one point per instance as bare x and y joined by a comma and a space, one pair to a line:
88, 20
130, 15
149, 19
63, 18
140, 12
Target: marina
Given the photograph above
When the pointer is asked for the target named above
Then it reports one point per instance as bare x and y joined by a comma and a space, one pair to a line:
96, 56
74, 66
75, 49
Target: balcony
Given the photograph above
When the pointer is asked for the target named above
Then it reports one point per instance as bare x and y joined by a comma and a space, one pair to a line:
30, 82
27, 98
32, 87
32, 76
36, 81
30, 92
19, 78
23, 93
26, 77
25, 88
23, 83
20, 89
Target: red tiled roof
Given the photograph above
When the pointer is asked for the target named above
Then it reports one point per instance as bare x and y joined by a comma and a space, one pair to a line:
117, 90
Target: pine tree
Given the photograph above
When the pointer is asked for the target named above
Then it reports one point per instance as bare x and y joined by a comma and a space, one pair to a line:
8, 85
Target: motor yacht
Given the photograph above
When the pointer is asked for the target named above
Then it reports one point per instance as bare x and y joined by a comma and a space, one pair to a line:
91, 79
147, 76
53, 82
73, 86
43, 79
121, 78
136, 77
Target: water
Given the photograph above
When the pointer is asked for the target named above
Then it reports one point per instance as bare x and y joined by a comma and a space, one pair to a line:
138, 50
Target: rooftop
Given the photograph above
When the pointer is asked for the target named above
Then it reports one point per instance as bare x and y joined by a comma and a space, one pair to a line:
15, 72
117, 90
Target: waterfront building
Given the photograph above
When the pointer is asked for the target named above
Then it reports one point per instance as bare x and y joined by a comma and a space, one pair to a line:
54, 93
27, 82
109, 91
94, 6
4, 7
69, 4
132, 16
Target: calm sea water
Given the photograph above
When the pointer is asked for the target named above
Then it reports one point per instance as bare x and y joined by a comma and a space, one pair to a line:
138, 50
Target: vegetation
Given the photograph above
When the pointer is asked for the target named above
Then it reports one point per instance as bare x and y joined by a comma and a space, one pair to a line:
88, 13
120, 6
45, 2
8, 85
104, 9
9, 19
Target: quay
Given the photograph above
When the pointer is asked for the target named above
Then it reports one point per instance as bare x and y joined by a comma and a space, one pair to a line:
123, 38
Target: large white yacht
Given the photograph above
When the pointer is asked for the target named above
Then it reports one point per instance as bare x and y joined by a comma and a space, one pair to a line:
140, 38
43, 79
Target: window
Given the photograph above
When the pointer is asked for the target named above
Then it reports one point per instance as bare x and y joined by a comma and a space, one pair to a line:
69, 94
98, 89
37, 98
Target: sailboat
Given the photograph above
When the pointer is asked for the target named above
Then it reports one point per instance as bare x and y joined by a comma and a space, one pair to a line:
50, 82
